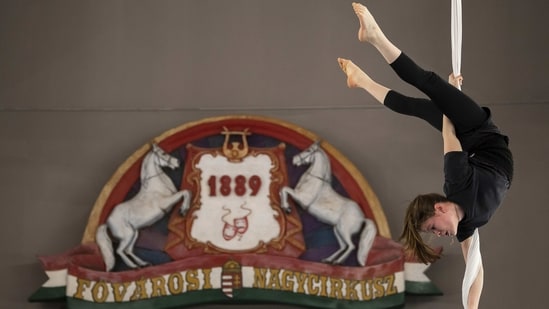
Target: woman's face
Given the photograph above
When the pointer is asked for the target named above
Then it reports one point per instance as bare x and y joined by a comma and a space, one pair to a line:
444, 222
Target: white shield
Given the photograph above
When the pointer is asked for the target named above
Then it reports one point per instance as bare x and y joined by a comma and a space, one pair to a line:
235, 211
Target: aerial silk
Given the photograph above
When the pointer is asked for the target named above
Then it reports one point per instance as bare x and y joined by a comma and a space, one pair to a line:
472, 268
456, 38
474, 258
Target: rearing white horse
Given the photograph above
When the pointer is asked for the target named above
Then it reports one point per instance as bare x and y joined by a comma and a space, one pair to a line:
315, 194
154, 200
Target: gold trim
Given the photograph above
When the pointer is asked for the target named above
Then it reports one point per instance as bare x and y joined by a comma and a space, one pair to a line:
93, 220
236, 151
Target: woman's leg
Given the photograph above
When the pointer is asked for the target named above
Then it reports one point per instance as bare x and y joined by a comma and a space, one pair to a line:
464, 113
460, 109
370, 32
422, 108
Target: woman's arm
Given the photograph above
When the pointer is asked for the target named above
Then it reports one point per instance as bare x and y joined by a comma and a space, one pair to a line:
451, 142
476, 287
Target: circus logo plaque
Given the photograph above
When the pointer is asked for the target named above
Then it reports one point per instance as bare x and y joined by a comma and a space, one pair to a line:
235, 209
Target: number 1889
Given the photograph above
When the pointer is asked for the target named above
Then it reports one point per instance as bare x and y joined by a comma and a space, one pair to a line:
223, 185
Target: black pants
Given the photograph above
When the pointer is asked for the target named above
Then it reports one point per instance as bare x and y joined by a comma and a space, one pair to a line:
465, 114
474, 127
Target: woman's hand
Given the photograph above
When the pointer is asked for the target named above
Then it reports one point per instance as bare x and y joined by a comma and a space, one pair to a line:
455, 81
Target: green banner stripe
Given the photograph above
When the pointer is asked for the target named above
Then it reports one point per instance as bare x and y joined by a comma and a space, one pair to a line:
422, 288
243, 296
270, 296
49, 294
176, 301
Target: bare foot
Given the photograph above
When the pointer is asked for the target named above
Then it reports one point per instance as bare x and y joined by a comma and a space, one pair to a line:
369, 30
355, 76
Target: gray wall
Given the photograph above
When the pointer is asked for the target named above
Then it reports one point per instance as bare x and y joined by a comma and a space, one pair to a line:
83, 84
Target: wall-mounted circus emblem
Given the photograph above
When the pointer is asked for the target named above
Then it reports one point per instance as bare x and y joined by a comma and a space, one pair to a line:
314, 193
153, 201
236, 237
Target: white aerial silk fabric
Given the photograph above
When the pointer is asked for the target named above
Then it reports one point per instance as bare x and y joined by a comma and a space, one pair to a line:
473, 256
456, 38
472, 268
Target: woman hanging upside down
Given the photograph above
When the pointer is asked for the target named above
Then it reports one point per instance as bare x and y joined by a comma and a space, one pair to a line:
478, 165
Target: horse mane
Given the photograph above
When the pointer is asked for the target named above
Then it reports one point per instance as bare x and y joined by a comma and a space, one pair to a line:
327, 172
145, 165
149, 168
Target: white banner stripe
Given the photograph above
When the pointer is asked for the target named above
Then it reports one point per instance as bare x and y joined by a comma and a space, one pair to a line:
56, 278
416, 272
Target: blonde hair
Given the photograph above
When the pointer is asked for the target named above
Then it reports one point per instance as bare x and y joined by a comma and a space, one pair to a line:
419, 210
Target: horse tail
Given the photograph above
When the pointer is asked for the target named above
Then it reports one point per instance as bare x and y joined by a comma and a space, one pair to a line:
105, 246
366, 241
